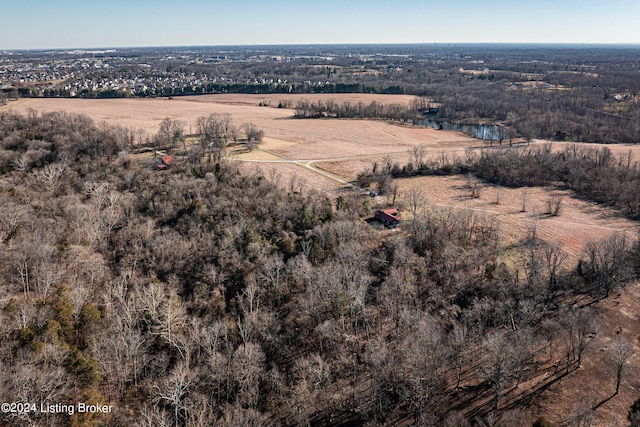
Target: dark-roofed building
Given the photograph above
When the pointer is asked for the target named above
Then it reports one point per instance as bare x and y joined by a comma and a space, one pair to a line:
389, 217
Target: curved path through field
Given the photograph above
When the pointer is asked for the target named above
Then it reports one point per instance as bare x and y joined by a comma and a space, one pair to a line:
308, 164
311, 164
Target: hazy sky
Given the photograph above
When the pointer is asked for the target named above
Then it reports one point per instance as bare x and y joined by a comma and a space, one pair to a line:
120, 23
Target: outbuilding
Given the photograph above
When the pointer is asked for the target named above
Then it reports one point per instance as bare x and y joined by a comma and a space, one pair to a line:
165, 162
389, 217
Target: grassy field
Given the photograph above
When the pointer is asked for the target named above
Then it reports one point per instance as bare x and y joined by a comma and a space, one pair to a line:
286, 138
140, 113
577, 222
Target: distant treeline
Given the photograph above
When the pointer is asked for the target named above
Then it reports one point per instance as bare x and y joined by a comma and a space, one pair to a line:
594, 173
213, 88
374, 110
583, 114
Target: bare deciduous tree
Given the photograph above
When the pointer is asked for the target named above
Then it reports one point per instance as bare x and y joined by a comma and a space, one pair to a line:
417, 155
171, 133
49, 176
554, 204
252, 132
606, 266
497, 364
416, 201
166, 317
247, 371
233, 132
622, 350
578, 329
555, 258
174, 388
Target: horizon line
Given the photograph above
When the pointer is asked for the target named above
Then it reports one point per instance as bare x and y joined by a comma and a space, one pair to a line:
282, 45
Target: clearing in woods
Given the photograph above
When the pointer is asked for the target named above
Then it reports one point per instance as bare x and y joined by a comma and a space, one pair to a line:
327, 154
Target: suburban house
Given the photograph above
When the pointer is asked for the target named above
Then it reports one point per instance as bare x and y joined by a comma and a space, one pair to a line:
389, 217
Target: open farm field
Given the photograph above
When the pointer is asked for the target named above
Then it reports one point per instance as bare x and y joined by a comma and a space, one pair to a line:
340, 147
578, 221
335, 139
299, 139
140, 113
286, 138
147, 114
344, 147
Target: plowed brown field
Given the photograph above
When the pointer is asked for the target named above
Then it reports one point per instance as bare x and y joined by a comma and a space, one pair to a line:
286, 138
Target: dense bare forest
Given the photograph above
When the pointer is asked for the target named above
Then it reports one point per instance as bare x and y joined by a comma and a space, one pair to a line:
199, 295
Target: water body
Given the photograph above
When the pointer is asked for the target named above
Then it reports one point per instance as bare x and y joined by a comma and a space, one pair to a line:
488, 132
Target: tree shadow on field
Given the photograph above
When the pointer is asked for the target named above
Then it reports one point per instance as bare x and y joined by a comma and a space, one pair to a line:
528, 398
604, 401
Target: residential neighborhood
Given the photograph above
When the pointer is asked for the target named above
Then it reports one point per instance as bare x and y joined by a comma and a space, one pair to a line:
180, 71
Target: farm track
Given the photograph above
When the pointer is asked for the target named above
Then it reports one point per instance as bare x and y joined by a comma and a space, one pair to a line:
311, 164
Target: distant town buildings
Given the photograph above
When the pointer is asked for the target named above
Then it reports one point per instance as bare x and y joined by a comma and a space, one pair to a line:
161, 71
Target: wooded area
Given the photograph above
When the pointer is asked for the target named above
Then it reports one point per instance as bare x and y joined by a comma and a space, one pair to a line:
199, 295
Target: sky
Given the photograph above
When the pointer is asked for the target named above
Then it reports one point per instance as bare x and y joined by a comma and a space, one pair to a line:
46, 24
